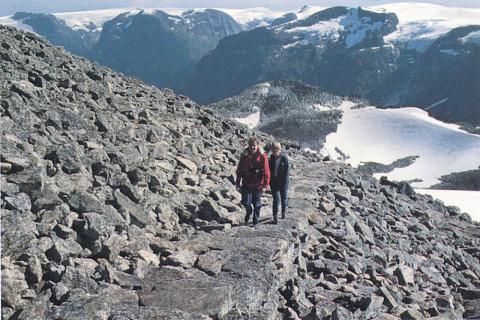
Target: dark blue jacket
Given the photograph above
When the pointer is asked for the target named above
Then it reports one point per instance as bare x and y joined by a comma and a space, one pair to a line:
281, 180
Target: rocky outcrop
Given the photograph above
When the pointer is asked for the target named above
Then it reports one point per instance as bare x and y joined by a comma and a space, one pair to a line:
288, 110
118, 202
465, 180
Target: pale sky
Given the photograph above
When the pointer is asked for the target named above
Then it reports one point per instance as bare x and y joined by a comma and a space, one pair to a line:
9, 7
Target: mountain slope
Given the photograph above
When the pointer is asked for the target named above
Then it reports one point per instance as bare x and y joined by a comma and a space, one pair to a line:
286, 109
117, 202
160, 48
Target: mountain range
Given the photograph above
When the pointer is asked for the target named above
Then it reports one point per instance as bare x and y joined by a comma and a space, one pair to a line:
393, 55
346, 51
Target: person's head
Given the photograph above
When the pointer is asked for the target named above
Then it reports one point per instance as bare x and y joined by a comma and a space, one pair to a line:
276, 149
252, 145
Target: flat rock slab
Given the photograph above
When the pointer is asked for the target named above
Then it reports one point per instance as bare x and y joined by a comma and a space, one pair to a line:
260, 257
200, 294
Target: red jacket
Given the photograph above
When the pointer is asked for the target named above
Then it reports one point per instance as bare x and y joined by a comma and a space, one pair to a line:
253, 170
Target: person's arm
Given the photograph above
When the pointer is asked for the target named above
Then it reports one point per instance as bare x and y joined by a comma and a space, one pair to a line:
239, 171
287, 171
266, 172
271, 166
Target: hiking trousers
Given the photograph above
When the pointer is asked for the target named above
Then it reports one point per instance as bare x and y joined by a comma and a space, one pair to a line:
280, 196
251, 200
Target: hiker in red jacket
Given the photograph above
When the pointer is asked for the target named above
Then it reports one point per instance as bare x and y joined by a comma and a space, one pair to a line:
253, 173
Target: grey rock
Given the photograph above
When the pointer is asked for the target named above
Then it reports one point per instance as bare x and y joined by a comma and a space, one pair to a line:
183, 258
63, 248
128, 207
18, 232
412, 314
470, 293
327, 205
188, 164
365, 231
19, 202
29, 180
209, 210
405, 275
96, 226
205, 296
24, 88
389, 299
82, 201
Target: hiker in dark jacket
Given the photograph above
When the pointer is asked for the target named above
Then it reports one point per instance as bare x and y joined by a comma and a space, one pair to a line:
279, 169
253, 178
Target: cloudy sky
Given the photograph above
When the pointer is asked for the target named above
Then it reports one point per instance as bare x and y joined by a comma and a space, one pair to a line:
9, 7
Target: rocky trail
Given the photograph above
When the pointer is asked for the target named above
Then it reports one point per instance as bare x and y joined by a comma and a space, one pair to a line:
117, 203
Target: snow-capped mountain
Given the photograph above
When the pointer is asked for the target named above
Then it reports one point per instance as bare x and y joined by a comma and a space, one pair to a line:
75, 39
160, 48
153, 45
360, 52
358, 133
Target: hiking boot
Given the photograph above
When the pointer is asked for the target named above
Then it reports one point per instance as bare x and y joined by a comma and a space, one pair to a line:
247, 217
275, 220
255, 221
283, 214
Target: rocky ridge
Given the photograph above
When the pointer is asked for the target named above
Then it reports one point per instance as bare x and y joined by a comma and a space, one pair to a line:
117, 202
288, 110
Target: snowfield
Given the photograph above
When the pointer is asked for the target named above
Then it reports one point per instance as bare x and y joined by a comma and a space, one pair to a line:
385, 135
85, 20
421, 23
466, 201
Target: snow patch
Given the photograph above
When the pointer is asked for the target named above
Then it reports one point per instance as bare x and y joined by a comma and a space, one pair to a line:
251, 120
433, 105
472, 37
320, 108
319, 31
194, 11
175, 20
450, 52
467, 201
385, 135
307, 11
264, 88
296, 43
357, 29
